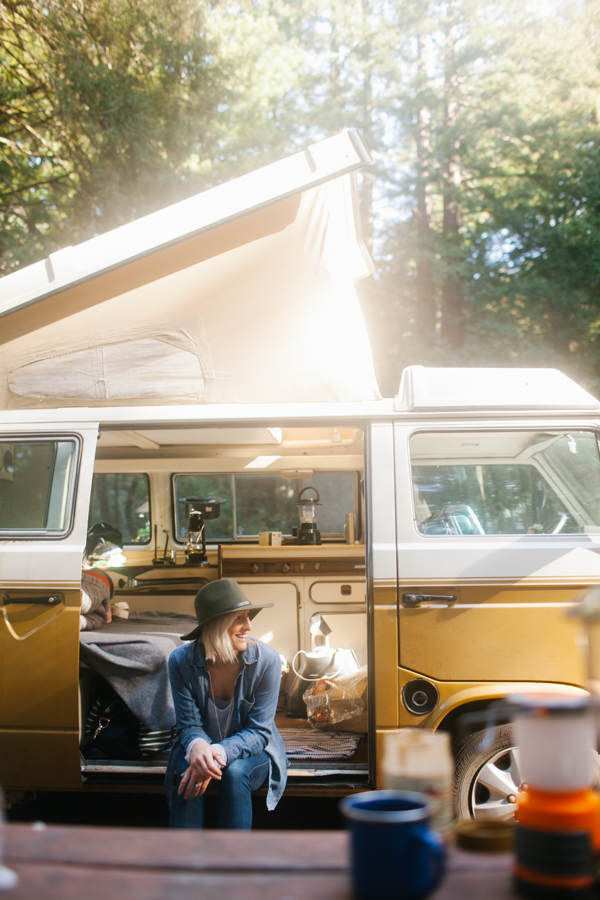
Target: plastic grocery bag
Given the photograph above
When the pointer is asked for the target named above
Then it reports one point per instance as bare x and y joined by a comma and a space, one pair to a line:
341, 698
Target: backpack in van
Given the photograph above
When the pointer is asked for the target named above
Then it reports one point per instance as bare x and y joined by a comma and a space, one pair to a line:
112, 731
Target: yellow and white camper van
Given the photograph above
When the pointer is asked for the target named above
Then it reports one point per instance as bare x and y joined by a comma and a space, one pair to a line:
215, 351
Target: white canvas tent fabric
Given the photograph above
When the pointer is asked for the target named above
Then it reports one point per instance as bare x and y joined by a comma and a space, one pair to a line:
262, 308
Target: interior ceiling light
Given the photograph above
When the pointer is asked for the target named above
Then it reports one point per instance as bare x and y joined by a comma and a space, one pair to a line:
296, 473
261, 462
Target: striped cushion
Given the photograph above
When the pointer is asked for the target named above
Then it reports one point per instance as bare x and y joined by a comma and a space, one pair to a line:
150, 742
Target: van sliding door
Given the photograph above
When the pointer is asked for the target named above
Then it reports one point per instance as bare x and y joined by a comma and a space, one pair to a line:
45, 484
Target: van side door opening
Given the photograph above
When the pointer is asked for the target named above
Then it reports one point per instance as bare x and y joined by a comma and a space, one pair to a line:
142, 480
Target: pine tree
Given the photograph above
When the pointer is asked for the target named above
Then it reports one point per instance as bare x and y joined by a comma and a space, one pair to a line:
104, 102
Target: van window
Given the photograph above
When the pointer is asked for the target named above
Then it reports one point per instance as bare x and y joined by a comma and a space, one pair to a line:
506, 482
123, 500
264, 502
37, 479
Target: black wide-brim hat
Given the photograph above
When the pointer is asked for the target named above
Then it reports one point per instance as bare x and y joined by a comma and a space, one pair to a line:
216, 599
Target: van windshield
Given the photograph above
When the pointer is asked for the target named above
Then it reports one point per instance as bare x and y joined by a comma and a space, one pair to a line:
506, 482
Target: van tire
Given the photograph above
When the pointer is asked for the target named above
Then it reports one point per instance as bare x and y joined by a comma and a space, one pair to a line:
491, 746
488, 747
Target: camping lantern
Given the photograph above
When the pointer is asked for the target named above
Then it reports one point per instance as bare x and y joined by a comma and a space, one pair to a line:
558, 813
197, 511
308, 532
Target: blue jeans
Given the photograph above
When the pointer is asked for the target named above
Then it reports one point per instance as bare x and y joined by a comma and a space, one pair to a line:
238, 780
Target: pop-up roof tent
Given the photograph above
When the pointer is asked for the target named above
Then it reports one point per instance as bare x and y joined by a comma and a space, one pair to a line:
244, 293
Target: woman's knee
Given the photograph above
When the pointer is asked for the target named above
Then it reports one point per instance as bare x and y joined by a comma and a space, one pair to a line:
249, 772
238, 772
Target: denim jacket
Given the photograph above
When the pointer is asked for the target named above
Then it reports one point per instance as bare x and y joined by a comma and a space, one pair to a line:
252, 725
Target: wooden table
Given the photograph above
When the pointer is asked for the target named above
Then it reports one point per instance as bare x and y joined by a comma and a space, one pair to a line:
82, 863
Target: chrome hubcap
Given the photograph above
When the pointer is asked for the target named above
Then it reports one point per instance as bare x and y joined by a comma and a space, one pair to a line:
494, 791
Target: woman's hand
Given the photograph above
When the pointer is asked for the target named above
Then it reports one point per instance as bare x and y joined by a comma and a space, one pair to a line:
204, 765
204, 761
191, 784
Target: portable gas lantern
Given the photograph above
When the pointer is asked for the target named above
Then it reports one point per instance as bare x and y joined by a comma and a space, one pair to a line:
197, 511
558, 814
308, 532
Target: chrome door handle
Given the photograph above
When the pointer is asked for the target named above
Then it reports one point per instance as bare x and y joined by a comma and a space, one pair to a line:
44, 601
413, 600
54, 600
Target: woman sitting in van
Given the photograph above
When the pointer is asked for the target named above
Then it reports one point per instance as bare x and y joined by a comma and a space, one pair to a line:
225, 688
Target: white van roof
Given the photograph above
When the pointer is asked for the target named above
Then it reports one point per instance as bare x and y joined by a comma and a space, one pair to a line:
425, 389
243, 293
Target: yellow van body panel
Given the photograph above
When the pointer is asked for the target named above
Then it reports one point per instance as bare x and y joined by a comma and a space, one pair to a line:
385, 662
454, 694
511, 637
518, 632
39, 706
40, 760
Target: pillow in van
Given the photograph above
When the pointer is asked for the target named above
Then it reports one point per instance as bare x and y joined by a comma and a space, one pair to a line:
96, 592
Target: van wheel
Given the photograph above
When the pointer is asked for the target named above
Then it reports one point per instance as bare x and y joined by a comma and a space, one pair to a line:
486, 778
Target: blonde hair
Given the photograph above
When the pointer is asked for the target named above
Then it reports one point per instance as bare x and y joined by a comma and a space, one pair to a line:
216, 640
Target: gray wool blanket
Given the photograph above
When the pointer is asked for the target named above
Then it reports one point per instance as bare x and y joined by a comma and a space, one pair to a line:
133, 656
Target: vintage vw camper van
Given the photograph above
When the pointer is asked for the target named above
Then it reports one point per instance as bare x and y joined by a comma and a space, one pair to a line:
216, 351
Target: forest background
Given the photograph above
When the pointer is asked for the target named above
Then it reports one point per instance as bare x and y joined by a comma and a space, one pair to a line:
481, 208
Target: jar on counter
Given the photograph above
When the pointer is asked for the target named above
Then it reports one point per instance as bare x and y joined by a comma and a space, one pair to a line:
422, 761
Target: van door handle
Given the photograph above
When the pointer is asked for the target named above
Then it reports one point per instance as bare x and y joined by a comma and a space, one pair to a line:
413, 600
50, 600
54, 600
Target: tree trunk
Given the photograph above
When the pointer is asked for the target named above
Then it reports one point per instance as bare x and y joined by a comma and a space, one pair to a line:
452, 284
426, 311
368, 178
452, 281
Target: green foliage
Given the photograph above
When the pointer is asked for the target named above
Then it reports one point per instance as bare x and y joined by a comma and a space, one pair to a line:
482, 206
104, 101
123, 501
499, 128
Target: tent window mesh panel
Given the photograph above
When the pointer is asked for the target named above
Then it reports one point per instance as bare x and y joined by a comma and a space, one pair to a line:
127, 370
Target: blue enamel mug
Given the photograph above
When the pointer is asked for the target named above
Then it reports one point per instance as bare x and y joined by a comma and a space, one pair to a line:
395, 854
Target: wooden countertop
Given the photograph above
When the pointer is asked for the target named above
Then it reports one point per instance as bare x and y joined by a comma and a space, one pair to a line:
60, 863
